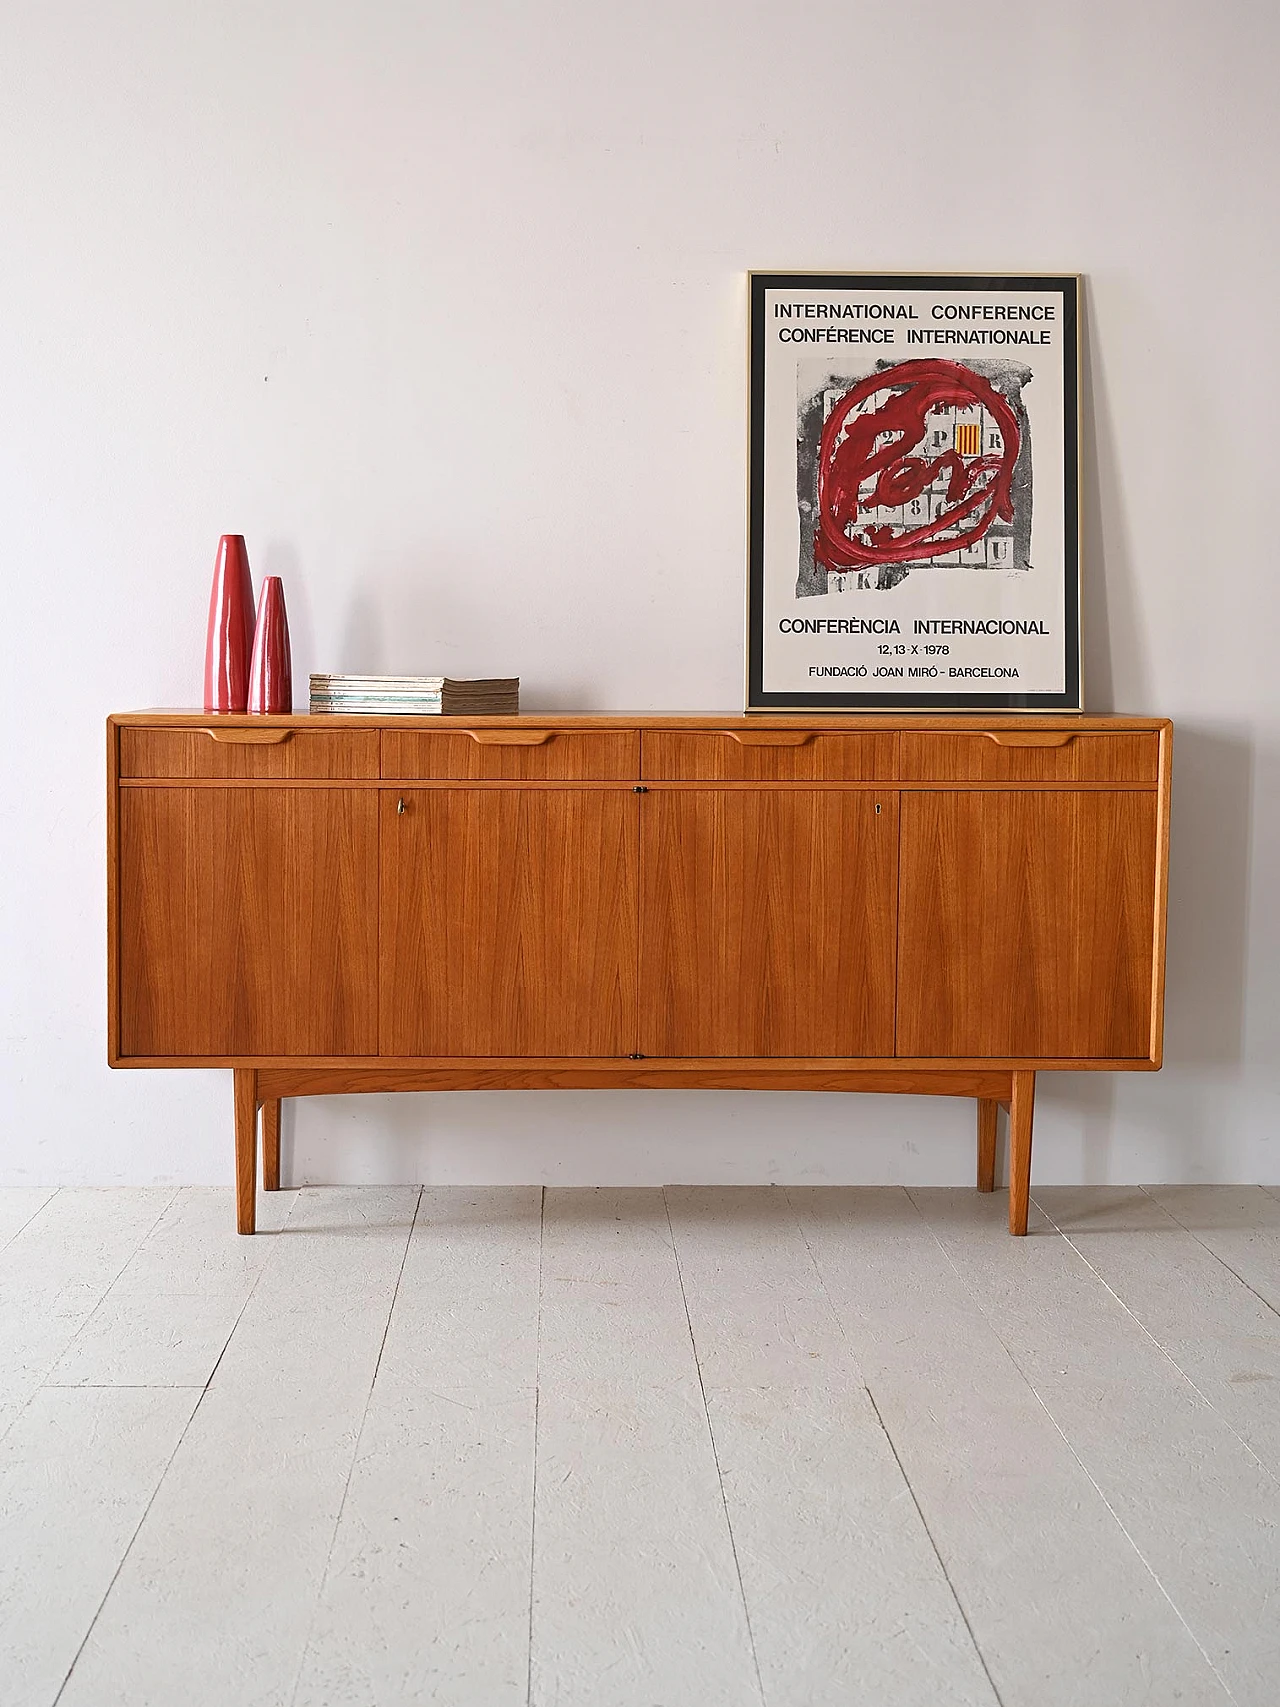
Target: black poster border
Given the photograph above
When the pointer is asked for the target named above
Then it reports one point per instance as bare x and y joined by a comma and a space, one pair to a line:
1070, 700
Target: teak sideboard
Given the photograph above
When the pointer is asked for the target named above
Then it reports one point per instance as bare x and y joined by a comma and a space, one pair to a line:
932, 905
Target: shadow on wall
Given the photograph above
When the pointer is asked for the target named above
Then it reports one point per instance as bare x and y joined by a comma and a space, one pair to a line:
1184, 1115
1111, 625
360, 650
1209, 868
1212, 831
415, 623
628, 1138
1211, 836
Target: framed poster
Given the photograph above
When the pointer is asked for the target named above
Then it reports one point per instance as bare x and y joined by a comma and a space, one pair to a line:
914, 530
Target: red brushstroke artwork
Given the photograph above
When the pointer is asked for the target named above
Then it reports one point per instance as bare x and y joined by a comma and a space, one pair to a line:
875, 459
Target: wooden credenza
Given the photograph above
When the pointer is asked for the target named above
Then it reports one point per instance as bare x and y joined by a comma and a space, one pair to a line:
928, 905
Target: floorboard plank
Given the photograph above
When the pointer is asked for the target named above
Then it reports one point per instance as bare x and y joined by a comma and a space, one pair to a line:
1199, 1507
55, 1272
19, 1204
214, 1600
427, 1593
1240, 1224
1063, 1409
1061, 1606
76, 1471
1222, 1336
847, 1599
168, 1315
636, 1598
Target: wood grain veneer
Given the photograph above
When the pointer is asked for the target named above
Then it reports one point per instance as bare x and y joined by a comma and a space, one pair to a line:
690, 1068
213, 753
558, 755
270, 1143
752, 755
244, 1090
988, 1114
1161, 896
300, 1081
930, 905
829, 722
768, 922
1025, 924
509, 922
994, 757
1021, 1109
248, 921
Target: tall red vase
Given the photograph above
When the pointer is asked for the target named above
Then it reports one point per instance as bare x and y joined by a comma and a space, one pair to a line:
271, 667
230, 638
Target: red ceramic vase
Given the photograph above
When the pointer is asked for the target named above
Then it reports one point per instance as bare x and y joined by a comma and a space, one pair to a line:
230, 639
271, 667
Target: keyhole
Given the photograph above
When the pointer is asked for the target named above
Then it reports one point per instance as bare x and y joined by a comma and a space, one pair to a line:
877, 807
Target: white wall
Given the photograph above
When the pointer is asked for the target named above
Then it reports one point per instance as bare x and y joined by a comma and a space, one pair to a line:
443, 307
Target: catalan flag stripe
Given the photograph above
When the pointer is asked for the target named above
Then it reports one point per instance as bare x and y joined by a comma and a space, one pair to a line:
968, 438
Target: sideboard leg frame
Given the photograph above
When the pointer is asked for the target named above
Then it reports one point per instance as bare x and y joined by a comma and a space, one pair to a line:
246, 1105
987, 1112
271, 1144
1021, 1111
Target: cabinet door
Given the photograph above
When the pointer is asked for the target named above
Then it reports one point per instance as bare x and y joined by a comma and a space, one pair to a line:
248, 921
1027, 924
768, 922
509, 922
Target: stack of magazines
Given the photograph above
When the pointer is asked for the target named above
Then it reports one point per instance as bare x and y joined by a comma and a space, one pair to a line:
415, 696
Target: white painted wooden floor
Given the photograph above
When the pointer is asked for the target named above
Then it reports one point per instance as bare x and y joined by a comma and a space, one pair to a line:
630, 1448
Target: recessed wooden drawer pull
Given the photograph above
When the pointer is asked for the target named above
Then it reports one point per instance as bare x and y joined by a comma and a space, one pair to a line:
770, 737
250, 737
511, 737
1032, 738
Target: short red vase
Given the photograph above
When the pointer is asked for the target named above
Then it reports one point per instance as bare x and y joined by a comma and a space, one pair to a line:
230, 638
271, 667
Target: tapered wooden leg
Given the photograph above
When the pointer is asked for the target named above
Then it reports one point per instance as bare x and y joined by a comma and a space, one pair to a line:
1021, 1111
987, 1112
246, 1100
271, 1144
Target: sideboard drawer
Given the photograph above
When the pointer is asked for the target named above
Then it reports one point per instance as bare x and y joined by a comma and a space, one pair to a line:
513, 754
240, 752
1018, 755
768, 755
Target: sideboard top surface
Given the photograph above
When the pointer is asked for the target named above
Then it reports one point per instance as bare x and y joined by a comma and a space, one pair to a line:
834, 721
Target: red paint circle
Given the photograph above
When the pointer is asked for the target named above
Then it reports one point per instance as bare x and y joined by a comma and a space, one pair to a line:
979, 488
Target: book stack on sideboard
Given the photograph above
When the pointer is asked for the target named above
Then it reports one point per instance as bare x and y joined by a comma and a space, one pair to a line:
415, 696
